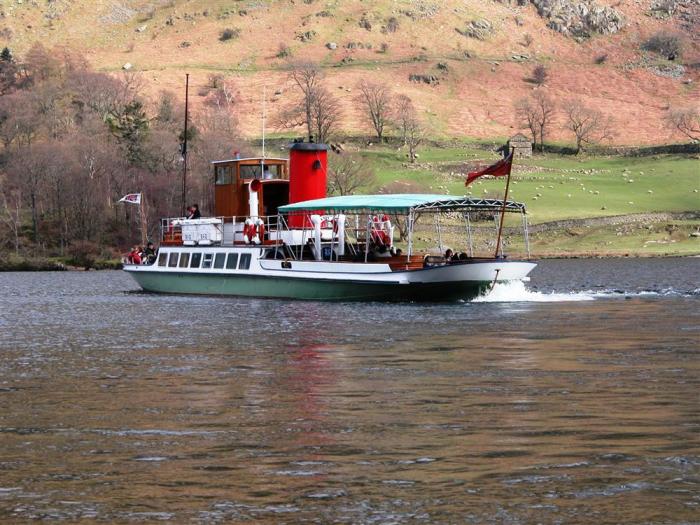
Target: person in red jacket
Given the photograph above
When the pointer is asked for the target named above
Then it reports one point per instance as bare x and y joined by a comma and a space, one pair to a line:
134, 256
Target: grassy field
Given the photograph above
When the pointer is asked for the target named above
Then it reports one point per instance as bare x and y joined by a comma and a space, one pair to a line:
646, 238
556, 187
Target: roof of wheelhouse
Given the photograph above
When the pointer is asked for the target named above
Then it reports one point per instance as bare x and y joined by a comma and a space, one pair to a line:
262, 160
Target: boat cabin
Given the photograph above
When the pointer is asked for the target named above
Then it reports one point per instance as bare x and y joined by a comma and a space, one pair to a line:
232, 178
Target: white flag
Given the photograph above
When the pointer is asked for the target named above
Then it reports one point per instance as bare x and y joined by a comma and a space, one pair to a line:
131, 198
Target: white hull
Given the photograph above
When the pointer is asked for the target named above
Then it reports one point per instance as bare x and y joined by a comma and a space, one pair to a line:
323, 279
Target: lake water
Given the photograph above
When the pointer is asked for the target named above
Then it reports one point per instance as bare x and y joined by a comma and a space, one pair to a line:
573, 399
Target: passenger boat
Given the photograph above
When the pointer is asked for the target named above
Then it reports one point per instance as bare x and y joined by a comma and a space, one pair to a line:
275, 233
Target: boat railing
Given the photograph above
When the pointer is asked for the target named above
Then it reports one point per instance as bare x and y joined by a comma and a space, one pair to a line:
221, 230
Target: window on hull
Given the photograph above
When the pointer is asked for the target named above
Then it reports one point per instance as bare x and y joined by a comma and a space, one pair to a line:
245, 261
196, 259
232, 261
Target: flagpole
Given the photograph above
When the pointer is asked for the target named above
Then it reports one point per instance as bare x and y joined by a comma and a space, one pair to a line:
503, 211
184, 148
144, 224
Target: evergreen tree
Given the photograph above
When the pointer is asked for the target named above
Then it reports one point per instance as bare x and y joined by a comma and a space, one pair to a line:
130, 126
6, 55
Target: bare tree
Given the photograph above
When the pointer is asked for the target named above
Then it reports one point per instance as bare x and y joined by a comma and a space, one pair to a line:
96, 92
41, 63
28, 166
224, 95
325, 113
376, 99
105, 94
19, 121
408, 124
414, 136
686, 120
53, 106
307, 78
347, 173
536, 112
588, 125
545, 112
218, 138
11, 213
527, 116
88, 164
319, 111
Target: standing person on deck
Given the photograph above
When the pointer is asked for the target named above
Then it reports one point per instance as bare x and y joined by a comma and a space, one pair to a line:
194, 212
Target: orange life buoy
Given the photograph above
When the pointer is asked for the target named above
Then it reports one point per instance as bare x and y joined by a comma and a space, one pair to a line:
378, 234
261, 230
248, 232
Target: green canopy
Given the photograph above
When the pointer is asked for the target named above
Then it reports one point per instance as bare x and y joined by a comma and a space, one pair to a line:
399, 203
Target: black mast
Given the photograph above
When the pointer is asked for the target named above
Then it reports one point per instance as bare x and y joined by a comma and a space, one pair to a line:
184, 148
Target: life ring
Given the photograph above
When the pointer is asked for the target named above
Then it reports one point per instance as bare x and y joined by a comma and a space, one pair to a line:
378, 234
261, 231
386, 228
248, 231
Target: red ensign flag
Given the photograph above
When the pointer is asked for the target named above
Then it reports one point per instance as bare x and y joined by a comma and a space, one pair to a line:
499, 169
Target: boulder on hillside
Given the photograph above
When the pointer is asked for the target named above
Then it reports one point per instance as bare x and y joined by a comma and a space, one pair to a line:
579, 18
663, 8
479, 29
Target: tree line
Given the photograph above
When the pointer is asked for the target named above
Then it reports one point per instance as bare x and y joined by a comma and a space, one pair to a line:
75, 140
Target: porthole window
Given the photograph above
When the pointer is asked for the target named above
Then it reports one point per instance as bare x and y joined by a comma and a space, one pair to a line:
162, 258
206, 262
172, 262
184, 260
245, 261
196, 259
219, 260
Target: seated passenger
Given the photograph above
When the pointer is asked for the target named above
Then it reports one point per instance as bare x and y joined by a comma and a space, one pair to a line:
267, 174
134, 256
149, 254
449, 255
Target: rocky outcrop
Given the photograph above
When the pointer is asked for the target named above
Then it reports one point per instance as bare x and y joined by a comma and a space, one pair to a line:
663, 8
579, 18
479, 29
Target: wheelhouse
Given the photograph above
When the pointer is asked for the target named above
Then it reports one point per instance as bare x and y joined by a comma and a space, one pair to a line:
232, 178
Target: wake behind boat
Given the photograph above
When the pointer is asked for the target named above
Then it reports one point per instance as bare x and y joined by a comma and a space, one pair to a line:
276, 234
